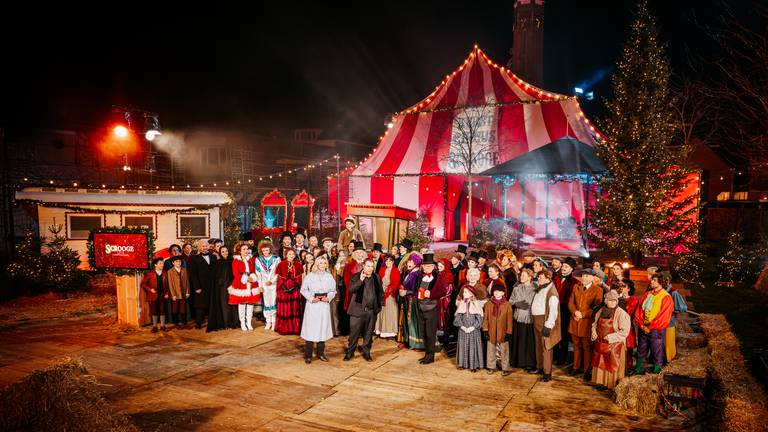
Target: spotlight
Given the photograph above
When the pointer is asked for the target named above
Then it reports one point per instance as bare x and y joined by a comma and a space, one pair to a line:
120, 131
151, 126
578, 90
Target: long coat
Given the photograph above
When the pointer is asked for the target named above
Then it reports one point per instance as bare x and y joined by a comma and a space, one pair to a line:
497, 326
317, 325
585, 300
176, 283
201, 278
149, 283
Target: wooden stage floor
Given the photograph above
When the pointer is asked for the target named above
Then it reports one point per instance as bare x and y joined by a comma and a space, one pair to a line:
230, 380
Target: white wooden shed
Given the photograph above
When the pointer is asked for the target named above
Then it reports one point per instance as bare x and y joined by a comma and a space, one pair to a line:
173, 216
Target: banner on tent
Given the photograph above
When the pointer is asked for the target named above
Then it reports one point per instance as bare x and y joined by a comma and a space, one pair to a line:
473, 140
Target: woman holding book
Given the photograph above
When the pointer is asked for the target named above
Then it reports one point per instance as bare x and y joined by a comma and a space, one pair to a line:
319, 288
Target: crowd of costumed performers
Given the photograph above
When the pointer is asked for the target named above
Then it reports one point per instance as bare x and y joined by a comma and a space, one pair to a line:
494, 311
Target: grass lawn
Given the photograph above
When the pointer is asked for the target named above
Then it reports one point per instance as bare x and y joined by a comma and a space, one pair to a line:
747, 311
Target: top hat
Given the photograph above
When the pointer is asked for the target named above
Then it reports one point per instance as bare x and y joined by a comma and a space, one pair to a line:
473, 256
407, 243
359, 245
428, 258
570, 261
462, 248
377, 247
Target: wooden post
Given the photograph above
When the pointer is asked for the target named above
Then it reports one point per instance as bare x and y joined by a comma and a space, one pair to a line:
130, 304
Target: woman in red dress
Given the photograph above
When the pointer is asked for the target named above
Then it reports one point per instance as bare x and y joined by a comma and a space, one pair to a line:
628, 302
290, 302
244, 292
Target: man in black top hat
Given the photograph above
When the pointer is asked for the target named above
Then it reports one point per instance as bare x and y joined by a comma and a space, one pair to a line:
201, 280
482, 261
376, 253
431, 289
462, 249
564, 281
405, 246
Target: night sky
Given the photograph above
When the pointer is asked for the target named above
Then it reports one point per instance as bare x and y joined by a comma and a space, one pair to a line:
270, 70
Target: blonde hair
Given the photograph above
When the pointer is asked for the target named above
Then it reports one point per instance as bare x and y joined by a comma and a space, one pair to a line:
317, 260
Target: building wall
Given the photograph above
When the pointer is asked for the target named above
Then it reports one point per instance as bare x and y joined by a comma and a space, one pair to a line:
166, 226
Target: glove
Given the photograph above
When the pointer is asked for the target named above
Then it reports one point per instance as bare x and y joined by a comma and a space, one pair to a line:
485, 335
522, 305
546, 331
244, 279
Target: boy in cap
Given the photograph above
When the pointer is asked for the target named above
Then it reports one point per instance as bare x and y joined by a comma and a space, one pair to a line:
349, 234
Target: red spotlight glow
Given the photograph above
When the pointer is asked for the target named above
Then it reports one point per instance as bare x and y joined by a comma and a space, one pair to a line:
120, 131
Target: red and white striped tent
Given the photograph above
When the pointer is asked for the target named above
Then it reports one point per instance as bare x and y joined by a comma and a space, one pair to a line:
411, 165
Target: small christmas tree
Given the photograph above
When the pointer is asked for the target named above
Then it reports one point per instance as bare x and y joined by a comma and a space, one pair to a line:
418, 232
506, 237
481, 233
46, 265
231, 224
732, 261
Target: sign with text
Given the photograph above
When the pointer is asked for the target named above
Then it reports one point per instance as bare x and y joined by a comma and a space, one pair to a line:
121, 251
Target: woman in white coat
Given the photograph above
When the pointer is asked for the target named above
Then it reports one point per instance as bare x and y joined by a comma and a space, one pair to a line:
319, 288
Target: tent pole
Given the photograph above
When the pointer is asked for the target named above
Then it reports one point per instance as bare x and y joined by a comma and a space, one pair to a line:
505, 198
546, 213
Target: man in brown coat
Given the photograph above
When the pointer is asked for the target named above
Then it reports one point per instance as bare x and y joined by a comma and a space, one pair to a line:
545, 311
586, 297
497, 328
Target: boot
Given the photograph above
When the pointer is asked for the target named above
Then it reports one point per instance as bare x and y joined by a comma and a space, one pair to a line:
656, 368
321, 351
639, 367
241, 312
248, 316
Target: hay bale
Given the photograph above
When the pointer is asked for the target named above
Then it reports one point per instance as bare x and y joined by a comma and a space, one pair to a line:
741, 399
60, 398
743, 416
690, 341
695, 364
639, 393
682, 326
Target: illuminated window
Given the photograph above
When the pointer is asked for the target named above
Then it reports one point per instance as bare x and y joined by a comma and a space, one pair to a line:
139, 221
741, 196
192, 226
723, 196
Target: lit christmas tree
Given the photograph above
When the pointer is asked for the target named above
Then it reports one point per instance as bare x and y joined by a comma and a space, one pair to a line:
642, 210
418, 232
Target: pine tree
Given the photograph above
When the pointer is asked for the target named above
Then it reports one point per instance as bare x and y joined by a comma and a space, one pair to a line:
418, 232
642, 210
231, 224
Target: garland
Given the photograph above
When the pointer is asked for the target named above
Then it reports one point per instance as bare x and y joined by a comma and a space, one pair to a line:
120, 230
79, 209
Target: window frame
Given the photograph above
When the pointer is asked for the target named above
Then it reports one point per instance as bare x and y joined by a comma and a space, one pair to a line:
180, 216
68, 222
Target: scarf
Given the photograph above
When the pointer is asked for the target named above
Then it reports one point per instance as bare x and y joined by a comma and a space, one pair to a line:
497, 304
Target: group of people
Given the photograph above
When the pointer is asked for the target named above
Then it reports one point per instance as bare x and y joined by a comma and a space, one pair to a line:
497, 312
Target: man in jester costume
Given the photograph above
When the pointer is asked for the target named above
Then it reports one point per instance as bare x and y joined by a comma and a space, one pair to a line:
652, 319
266, 266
